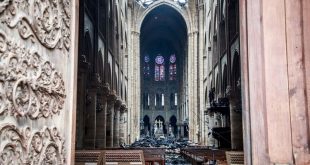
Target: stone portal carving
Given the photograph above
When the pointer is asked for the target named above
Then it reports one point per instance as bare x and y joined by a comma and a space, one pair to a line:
32, 91
26, 146
46, 20
29, 85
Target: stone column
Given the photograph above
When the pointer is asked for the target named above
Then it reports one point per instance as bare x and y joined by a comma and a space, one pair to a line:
90, 119
236, 120
182, 130
81, 107
178, 135
102, 118
110, 119
122, 137
126, 129
134, 87
116, 122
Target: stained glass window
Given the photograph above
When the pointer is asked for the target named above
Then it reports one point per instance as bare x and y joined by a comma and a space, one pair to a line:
146, 68
159, 68
172, 67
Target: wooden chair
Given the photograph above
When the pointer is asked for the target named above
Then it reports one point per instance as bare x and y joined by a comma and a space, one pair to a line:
235, 157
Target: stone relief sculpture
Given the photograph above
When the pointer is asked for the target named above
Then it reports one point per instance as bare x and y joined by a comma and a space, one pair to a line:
26, 146
29, 85
46, 20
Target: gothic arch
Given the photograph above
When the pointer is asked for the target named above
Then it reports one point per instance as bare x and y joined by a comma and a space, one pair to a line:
88, 48
116, 85
100, 66
107, 74
217, 85
161, 118
184, 13
173, 122
147, 123
236, 69
224, 78
125, 94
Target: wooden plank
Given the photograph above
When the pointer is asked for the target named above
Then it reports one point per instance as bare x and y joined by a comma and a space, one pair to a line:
245, 82
256, 83
306, 52
296, 75
277, 97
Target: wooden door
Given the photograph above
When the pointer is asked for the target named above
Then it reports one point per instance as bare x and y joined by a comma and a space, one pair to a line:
275, 77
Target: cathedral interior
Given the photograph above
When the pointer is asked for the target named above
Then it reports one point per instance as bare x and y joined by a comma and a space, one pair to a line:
168, 81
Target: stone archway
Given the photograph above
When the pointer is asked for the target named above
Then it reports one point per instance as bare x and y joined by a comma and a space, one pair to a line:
134, 66
173, 126
147, 125
160, 124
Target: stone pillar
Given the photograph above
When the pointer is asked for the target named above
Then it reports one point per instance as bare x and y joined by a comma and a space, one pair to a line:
90, 119
116, 122
182, 130
102, 118
122, 136
236, 119
81, 108
134, 86
126, 125
110, 119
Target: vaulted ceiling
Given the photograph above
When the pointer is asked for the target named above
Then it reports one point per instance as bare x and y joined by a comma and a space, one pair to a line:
163, 30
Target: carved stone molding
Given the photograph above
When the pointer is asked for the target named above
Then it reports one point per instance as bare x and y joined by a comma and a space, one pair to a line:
46, 20
123, 108
118, 104
106, 89
228, 91
111, 99
29, 86
26, 146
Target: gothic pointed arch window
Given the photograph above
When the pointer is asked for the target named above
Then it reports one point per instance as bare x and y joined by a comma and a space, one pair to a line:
159, 68
172, 67
146, 67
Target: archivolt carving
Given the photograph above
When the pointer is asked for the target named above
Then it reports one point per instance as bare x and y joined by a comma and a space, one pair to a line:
29, 85
47, 20
24, 146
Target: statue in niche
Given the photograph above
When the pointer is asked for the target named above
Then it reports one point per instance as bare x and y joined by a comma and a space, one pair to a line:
211, 96
170, 132
155, 127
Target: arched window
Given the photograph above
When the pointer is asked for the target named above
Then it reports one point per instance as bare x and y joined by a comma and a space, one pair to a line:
172, 67
146, 68
146, 100
159, 68
162, 99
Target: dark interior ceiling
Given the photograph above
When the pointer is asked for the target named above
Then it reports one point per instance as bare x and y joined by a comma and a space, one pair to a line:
163, 31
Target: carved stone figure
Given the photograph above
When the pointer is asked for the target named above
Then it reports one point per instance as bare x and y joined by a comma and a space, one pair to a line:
211, 95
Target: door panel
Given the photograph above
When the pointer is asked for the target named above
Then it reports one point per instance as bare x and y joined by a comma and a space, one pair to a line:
35, 85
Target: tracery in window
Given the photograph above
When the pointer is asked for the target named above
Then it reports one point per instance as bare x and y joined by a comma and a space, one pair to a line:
159, 68
172, 67
146, 68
